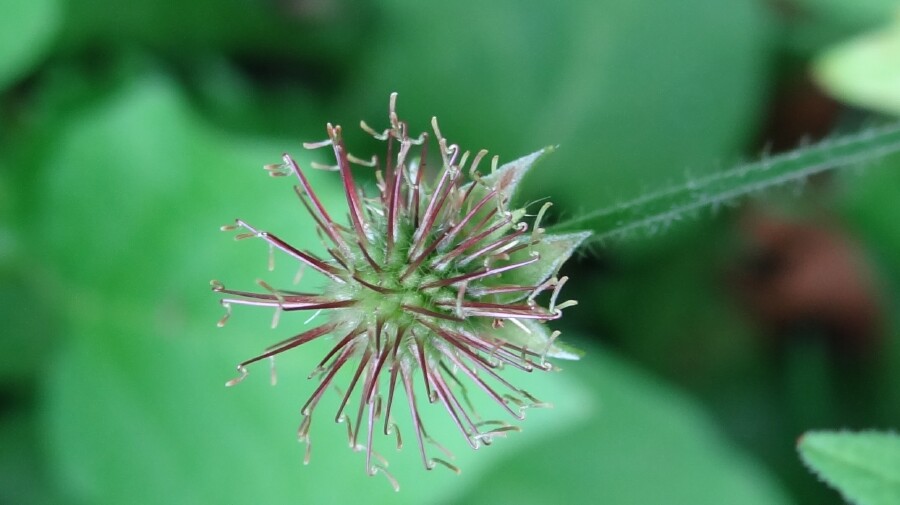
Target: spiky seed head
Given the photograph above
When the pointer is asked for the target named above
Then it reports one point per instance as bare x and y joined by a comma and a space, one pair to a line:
434, 281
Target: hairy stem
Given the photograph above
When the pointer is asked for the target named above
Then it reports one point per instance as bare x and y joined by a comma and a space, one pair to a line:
654, 211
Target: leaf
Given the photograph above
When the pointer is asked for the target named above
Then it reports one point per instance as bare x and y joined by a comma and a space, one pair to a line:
145, 186
632, 92
858, 13
637, 441
865, 71
864, 466
29, 322
869, 204
23, 474
266, 29
27, 29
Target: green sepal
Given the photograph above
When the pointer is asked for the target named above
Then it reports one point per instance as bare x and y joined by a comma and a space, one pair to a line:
505, 180
536, 338
508, 176
554, 251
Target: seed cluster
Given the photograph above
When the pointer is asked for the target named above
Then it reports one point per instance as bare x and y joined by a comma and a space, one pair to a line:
439, 281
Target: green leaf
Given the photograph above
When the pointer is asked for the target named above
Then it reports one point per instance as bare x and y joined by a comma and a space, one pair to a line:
27, 29
29, 323
184, 29
859, 12
23, 474
636, 441
864, 467
133, 195
607, 81
865, 71
869, 204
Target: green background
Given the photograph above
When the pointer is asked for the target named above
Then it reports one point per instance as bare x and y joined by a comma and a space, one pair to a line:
130, 131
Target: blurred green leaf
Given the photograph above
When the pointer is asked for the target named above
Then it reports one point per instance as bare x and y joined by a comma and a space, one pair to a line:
28, 323
8, 235
857, 12
865, 71
141, 416
869, 204
324, 31
27, 29
23, 473
634, 92
642, 443
813, 26
864, 467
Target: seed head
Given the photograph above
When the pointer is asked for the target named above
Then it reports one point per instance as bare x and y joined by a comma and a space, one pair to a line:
434, 282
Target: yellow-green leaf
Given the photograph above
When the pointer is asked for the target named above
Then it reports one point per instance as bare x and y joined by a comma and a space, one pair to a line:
864, 467
865, 71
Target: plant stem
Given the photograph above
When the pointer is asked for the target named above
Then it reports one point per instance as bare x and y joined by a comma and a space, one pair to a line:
656, 211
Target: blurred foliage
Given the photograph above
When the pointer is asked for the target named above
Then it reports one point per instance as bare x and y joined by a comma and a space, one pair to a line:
604, 80
866, 71
864, 467
305, 30
130, 131
816, 24
27, 30
635, 420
